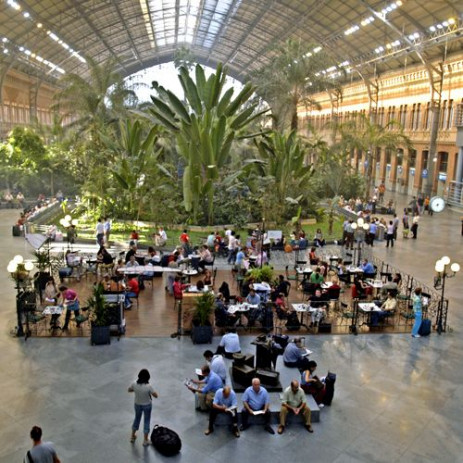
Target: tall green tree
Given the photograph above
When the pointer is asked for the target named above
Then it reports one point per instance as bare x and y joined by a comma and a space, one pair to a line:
366, 136
205, 126
285, 174
294, 74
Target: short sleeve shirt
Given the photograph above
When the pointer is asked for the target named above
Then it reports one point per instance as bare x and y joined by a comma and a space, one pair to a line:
42, 453
293, 399
213, 383
142, 393
229, 401
256, 400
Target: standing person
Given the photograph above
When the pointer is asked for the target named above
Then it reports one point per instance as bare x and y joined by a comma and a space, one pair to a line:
405, 223
372, 233
232, 248
390, 234
395, 222
414, 228
417, 310
100, 232
71, 303
294, 400
107, 230
41, 452
143, 393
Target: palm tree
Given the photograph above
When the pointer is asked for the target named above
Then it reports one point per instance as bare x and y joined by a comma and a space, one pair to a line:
284, 172
205, 127
366, 136
288, 81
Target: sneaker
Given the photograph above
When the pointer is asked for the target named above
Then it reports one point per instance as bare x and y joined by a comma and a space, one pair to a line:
269, 429
146, 443
128, 307
321, 405
208, 431
416, 336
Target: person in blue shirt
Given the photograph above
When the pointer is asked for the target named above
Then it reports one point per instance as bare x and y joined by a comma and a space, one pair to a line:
224, 402
418, 311
253, 298
239, 259
216, 364
292, 356
212, 383
372, 233
367, 267
256, 399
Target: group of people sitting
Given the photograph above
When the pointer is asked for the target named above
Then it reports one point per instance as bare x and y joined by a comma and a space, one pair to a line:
216, 397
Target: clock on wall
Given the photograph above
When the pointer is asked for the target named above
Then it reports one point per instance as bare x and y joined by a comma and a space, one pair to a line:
437, 204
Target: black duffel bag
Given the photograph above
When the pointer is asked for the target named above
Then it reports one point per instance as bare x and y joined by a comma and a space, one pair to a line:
166, 441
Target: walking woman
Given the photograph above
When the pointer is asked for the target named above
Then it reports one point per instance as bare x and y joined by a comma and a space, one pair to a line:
390, 234
417, 309
143, 392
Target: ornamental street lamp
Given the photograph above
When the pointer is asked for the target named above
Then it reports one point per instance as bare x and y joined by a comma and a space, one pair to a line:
19, 270
444, 270
360, 229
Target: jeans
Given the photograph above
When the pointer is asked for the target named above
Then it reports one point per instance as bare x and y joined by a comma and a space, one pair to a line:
146, 411
128, 295
417, 324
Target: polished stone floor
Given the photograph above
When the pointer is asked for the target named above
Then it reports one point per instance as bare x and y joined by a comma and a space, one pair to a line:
397, 399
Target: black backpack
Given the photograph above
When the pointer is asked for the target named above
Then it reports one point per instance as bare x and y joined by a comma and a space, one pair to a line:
293, 323
329, 388
166, 441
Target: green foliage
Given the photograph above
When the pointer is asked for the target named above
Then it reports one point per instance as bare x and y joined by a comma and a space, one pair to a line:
261, 274
99, 310
205, 126
204, 307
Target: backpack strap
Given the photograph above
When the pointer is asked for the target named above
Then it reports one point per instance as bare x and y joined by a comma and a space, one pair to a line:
29, 457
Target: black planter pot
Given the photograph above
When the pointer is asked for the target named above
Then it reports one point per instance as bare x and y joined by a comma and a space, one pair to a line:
100, 335
201, 334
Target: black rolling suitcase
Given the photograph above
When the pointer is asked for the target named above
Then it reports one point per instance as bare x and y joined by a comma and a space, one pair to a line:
292, 322
329, 388
425, 327
166, 441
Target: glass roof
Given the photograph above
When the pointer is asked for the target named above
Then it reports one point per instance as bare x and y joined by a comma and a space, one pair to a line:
49, 38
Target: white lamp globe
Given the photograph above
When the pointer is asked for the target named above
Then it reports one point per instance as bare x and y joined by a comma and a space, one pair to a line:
455, 267
12, 267
18, 259
354, 226
29, 266
366, 226
360, 222
62, 222
445, 260
67, 218
74, 221
439, 266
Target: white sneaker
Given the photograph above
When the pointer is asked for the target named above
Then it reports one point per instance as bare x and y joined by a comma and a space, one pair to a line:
321, 405
416, 336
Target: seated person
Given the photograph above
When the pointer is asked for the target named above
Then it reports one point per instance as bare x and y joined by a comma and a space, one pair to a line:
207, 278
318, 240
253, 298
111, 285
311, 383
222, 317
293, 355
131, 252
225, 291
74, 261
280, 313
229, 344
398, 280
256, 398
216, 364
360, 289
51, 295
318, 301
153, 257
200, 286
294, 400
312, 257
333, 292
206, 257
104, 260
387, 308
283, 286
132, 290
212, 383
224, 402
390, 287
316, 277
367, 267
71, 303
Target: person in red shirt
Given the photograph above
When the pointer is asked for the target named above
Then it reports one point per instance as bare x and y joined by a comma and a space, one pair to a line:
132, 291
178, 288
184, 238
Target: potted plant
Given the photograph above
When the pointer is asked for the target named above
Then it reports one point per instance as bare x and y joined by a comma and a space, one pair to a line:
99, 317
261, 274
201, 331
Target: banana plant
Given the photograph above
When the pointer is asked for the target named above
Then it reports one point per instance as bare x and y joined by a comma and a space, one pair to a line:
205, 125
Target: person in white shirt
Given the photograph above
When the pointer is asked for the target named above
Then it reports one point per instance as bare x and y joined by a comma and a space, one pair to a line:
100, 232
229, 344
390, 231
216, 364
107, 230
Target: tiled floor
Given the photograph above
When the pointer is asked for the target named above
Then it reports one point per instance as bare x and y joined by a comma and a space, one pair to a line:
397, 399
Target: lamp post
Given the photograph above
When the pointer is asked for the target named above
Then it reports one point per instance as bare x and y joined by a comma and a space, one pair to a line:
442, 268
67, 222
360, 225
19, 270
